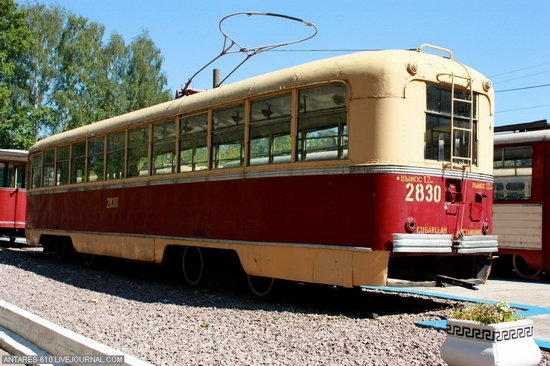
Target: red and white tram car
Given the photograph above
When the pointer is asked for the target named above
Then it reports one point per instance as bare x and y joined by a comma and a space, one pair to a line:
13, 196
522, 174
337, 172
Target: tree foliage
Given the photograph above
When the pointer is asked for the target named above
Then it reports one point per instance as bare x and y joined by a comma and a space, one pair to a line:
68, 76
15, 40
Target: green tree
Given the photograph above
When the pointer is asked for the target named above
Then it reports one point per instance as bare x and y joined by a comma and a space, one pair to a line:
70, 77
146, 80
112, 97
15, 39
79, 55
36, 71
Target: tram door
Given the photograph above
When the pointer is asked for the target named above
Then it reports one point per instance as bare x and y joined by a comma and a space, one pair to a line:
12, 180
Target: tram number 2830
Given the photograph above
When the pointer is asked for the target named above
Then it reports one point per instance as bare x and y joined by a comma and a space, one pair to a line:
421, 192
112, 202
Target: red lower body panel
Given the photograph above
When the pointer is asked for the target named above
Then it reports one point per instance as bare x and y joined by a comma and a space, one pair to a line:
13, 205
353, 209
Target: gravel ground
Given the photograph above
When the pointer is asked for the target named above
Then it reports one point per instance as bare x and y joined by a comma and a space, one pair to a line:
169, 323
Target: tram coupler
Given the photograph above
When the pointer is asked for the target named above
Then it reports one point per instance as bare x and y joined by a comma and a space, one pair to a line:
446, 280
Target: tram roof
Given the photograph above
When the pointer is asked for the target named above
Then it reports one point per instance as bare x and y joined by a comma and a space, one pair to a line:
13, 155
522, 137
375, 71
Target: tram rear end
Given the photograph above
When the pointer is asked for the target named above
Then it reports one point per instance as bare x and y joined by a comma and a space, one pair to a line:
435, 194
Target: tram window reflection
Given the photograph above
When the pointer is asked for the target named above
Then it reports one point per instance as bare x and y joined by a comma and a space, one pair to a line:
513, 171
193, 143
115, 155
78, 162
228, 136
62, 165
96, 163
49, 168
138, 152
164, 147
322, 123
270, 139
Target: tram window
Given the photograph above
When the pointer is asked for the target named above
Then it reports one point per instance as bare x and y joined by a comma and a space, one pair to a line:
193, 143
78, 162
437, 139
96, 160
322, 123
515, 157
513, 171
164, 147
49, 169
270, 140
62, 165
36, 170
228, 136
138, 152
462, 144
10, 175
498, 191
18, 180
498, 161
3, 175
115, 155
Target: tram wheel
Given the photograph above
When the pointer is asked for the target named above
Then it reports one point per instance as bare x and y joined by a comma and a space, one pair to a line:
260, 286
192, 265
89, 259
63, 248
520, 266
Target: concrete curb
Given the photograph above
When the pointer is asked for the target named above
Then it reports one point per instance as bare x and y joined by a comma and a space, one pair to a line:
52, 338
15, 345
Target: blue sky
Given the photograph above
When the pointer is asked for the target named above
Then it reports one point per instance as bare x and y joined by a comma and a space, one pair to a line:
508, 41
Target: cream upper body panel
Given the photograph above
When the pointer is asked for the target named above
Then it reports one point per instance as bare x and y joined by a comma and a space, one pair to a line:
387, 103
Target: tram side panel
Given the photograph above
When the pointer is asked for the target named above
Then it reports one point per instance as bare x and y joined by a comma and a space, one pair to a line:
521, 201
546, 208
348, 210
357, 209
13, 203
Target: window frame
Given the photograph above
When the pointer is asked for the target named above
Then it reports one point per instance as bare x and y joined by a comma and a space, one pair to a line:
310, 121
195, 141
163, 145
270, 129
521, 165
236, 126
227, 137
115, 153
62, 165
454, 113
78, 161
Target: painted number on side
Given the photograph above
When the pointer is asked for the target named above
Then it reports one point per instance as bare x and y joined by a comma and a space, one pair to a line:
421, 192
112, 202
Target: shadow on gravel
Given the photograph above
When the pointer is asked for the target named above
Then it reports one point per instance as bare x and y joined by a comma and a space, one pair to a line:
150, 283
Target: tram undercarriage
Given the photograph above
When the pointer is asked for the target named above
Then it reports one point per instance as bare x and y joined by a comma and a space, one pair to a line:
461, 270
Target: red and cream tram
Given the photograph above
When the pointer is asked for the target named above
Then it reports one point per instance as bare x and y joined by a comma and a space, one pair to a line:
13, 196
522, 174
337, 172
